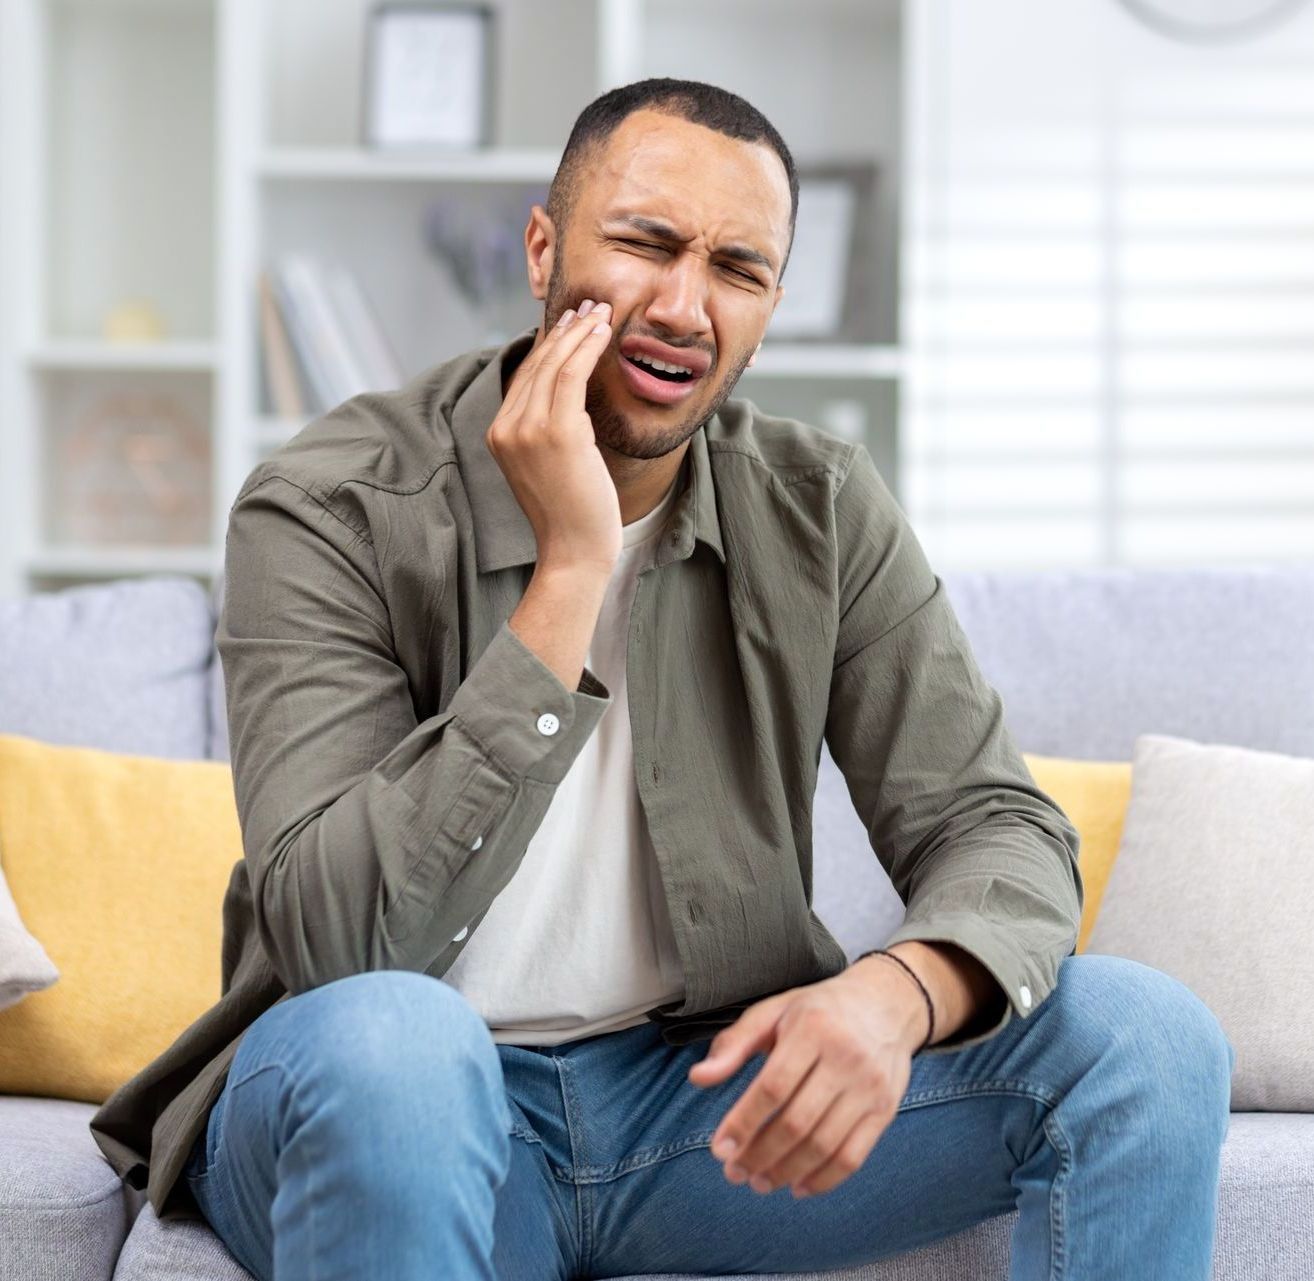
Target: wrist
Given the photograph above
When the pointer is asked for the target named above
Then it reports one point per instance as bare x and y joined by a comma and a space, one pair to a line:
916, 1023
575, 573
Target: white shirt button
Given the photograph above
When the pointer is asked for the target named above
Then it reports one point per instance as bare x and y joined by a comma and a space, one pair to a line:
1025, 993
548, 724
465, 929
478, 841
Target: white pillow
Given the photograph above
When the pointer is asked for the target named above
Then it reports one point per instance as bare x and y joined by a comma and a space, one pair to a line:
24, 965
1214, 884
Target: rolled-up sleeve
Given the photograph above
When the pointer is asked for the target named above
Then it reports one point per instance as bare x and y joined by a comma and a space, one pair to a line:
981, 857
370, 837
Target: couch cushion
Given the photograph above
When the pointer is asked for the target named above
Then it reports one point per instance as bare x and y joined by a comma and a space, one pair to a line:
1094, 795
1213, 884
1267, 1185
25, 966
1087, 659
122, 666
180, 1250
63, 1210
139, 945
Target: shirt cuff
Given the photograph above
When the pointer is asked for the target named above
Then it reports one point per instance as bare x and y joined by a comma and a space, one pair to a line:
1023, 982
521, 713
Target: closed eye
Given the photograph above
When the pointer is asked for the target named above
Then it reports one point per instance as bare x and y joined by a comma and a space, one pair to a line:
746, 276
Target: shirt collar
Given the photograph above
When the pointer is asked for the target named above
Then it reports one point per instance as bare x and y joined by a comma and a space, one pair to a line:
503, 534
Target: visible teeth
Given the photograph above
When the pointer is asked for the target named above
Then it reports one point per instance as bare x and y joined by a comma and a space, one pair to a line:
662, 365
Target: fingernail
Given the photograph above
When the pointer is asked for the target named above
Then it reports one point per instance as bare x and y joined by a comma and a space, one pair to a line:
735, 1172
726, 1147
585, 307
759, 1183
602, 306
566, 317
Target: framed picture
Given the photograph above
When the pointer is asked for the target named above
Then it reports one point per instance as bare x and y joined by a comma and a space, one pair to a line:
830, 284
428, 75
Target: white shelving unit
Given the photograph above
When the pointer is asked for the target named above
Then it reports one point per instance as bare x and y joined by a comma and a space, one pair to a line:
170, 149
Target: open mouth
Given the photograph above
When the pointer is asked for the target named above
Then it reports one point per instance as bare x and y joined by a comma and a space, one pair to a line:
664, 370
663, 386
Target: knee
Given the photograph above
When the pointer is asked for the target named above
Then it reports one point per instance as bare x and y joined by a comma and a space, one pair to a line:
391, 1034
1167, 1041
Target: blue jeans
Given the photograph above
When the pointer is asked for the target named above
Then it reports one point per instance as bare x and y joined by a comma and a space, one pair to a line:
371, 1127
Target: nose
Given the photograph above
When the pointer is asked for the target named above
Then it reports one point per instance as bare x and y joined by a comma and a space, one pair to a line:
680, 303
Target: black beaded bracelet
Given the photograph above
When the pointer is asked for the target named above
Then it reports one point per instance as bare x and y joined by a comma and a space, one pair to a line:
930, 1009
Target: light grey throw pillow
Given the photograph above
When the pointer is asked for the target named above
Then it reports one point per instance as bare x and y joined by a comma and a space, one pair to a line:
24, 965
1214, 884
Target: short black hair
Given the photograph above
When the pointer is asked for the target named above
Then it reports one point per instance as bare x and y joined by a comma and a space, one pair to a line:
691, 100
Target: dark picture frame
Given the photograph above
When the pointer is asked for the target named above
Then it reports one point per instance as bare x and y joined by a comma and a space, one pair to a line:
832, 268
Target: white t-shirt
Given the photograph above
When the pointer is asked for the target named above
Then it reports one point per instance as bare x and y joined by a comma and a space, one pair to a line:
579, 941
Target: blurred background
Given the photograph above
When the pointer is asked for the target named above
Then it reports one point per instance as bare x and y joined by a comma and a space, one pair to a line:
1054, 267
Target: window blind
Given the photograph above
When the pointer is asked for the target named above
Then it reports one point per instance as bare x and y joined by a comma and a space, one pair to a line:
1108, 309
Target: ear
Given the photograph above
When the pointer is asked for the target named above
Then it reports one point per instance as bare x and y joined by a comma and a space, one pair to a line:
540, 245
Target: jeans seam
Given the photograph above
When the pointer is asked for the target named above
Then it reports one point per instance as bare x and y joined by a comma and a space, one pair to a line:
999, 1086
643, 1158
1057, 1196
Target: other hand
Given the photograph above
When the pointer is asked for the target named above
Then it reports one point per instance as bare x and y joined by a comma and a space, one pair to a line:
839, 1061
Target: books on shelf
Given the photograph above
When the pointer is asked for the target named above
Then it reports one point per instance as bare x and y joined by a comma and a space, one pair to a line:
321, 339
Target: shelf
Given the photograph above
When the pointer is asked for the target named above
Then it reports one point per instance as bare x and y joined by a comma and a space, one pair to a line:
72, 353
827, 360
112, 562
535, 165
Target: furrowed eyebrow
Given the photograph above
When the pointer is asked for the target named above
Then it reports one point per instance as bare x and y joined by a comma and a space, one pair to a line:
664, 231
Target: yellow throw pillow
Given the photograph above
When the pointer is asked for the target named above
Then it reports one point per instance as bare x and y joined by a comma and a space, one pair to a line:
118, 865
1094, 795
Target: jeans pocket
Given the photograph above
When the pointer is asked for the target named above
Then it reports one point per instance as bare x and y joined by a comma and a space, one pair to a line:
197, 1165
201, 1158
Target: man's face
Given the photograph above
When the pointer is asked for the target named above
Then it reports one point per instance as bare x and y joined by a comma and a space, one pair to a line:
684, 232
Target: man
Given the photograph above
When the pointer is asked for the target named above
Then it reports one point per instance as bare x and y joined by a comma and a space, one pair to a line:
528, 669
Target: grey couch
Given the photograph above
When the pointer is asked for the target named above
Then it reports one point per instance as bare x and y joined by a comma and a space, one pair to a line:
1084, 660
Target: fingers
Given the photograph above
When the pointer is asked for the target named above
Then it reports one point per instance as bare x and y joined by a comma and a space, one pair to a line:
787, 1065
849, 1156
569, 338
790, 1143
523, 378
573, 376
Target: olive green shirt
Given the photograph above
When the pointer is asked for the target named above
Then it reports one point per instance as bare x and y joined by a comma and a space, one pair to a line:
395, 744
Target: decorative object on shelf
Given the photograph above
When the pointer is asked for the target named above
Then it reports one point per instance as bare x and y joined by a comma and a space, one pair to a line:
830, 285
134, 320
132, 467
482, 247
428, 75
1193, 22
